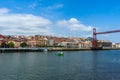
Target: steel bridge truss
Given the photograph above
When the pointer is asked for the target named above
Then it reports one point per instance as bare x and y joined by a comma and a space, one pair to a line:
94, 41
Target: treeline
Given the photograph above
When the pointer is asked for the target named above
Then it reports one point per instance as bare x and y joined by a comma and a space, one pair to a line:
23, 45
12, 45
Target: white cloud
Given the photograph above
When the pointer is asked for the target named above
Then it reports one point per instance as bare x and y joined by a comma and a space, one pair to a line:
74, 25
23, 24
29, 24
4, 10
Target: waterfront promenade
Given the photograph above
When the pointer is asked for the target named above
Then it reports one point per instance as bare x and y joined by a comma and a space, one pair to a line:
78, 49
48, 49
21, 49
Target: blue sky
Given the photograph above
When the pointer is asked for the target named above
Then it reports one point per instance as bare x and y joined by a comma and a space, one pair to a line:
67, 18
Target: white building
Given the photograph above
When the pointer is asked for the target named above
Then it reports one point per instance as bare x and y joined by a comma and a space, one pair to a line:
69, 44
51, 42
117, 45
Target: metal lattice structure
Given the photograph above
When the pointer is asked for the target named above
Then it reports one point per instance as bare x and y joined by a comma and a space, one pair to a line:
94, 41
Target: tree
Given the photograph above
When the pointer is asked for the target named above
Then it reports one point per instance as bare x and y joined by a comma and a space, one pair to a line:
11, 45
3, 45
23, 44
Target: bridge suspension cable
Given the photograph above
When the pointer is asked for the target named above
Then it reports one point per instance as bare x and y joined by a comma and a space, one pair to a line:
114, 31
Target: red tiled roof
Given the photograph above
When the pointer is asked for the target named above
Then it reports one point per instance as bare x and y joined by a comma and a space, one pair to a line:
1, 36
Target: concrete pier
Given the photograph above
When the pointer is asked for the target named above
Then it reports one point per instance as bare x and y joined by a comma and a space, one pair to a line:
22, 49
79, 49
49, 49
68, 49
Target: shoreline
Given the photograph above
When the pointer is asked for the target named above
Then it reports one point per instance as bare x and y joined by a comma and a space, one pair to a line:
80, 49
49, 49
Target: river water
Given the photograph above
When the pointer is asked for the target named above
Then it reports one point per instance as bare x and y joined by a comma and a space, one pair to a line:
74, 65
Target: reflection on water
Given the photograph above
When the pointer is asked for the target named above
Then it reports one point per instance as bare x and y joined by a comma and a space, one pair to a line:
74, 65
95, 64
106, 65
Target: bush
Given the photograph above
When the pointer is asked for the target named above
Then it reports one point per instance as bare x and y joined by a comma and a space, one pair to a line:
11, 45
23, 44
3, 45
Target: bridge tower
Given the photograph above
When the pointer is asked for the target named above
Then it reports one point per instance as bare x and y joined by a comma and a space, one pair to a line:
94, 41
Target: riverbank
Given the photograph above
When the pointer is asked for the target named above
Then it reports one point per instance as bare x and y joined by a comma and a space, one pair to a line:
22, 49
68, 49
49, 49
79, 49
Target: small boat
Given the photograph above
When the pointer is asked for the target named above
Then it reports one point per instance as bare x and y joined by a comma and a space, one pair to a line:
45, 50
60, 54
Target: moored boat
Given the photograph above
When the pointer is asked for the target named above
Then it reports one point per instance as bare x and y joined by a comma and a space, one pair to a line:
60, 54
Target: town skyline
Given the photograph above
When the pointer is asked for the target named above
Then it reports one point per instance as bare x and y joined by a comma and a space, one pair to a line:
60, 18
36, 41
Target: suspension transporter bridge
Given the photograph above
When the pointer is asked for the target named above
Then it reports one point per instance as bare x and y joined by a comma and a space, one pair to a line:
95, 41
